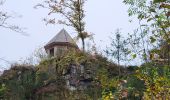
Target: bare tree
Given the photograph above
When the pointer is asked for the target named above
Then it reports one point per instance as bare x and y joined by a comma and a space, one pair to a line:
4, 17
4, 20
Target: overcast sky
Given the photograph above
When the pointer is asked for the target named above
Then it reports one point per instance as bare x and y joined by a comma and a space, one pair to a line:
103, 17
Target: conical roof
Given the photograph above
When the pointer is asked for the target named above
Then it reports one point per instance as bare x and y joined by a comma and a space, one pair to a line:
62, 36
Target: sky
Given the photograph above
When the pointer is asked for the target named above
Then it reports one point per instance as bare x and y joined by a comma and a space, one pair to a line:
103, 17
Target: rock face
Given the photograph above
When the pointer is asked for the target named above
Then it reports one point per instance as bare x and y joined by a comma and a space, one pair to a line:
73, 77
78, 78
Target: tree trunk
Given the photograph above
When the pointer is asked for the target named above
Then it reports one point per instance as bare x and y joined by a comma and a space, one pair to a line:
83, 44
168, 54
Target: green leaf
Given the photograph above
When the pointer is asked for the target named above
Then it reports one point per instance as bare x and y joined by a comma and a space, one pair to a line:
144, 56
165, 5
128, 52
149, 19
158, 1
141, 16
156, 16
152, 39
168, 41
165, 26
134, 56
155, 51
152, 10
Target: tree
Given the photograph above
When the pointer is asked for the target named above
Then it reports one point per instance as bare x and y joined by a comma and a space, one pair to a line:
153, 19
2, 90
4, 17
139, 43
153, 15
118, 48
73, 13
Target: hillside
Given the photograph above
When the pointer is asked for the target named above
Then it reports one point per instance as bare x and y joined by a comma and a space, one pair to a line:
74, 76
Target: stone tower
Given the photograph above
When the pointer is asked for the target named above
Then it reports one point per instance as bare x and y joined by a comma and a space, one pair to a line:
60, 44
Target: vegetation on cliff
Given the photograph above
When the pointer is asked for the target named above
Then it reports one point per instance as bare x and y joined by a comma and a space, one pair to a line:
80, 75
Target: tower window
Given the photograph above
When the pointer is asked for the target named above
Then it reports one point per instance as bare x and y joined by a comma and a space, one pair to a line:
60, 51
52, 52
